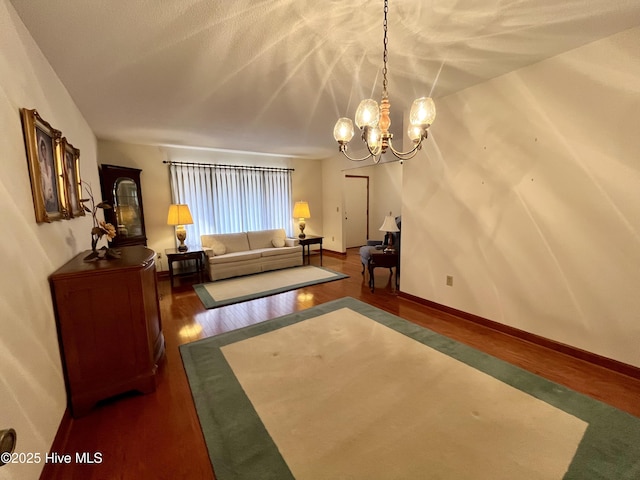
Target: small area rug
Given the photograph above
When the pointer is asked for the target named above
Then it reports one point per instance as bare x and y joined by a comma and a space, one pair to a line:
249, 287
345, 390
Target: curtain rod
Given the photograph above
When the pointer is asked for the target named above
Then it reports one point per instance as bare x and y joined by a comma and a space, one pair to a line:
236, 167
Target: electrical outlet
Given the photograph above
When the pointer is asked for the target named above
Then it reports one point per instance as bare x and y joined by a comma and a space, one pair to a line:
159, 255
449, 281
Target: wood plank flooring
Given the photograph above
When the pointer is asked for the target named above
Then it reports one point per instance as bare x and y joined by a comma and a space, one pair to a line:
158, 436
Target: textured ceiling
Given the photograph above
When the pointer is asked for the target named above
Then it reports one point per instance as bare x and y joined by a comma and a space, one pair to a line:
273, 76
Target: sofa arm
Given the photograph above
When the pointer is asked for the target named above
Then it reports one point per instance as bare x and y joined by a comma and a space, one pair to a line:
208, 252
291, 242
371, 243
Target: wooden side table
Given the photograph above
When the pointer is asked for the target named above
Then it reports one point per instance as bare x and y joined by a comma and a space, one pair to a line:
307, 241
174, 255
386, 260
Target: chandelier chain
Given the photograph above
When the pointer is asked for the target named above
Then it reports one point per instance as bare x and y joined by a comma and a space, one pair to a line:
384, 54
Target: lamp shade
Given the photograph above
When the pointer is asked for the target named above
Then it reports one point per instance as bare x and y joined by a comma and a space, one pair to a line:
179, 214
389, 225
301, 210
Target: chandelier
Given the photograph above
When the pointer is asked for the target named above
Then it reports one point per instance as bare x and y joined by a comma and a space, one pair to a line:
374, 121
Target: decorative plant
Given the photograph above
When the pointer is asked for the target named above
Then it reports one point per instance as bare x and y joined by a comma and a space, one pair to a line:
100, 227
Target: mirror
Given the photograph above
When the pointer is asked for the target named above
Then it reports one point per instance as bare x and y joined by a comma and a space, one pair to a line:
127, 209
121, 189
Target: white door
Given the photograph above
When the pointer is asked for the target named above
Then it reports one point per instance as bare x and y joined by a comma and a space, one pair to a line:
356, 214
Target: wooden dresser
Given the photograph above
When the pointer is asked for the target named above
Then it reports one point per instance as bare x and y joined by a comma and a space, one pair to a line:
109, 327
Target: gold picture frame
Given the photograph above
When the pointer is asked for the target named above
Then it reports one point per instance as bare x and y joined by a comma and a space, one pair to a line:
72, 183
42, 142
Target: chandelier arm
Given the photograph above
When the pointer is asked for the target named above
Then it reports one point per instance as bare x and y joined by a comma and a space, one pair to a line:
343, 150
408, 154
371, 152
375, 154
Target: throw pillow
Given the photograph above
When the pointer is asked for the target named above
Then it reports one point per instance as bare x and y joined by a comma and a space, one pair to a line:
278, 242
218, 248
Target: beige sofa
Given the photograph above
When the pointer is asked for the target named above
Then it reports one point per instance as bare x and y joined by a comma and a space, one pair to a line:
233, 254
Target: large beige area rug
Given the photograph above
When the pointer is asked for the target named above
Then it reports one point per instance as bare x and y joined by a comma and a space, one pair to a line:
345, 390
249, 287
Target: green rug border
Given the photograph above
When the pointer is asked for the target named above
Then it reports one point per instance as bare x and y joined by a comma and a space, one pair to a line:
209, 302
240, 447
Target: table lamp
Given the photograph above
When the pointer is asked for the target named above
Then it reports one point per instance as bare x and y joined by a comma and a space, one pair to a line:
179, 215
389, 225
301, 211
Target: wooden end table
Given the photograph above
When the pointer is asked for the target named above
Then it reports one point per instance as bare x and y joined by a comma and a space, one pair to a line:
386, 260
307, 241
174, 255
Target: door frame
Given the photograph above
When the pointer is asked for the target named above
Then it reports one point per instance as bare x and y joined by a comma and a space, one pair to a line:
366, 177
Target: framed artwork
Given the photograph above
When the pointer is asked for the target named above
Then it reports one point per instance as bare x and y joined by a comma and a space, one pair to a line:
72, 186
45, 167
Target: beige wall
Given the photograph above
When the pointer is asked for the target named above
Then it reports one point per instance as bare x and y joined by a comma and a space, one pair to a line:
306, 185
32, 392
529, 196
156, 189
333, 202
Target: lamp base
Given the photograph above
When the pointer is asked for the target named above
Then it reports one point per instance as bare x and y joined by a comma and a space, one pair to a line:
181, 235
302, 224
390, 248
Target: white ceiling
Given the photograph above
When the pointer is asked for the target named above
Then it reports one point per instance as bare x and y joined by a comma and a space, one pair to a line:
274, 75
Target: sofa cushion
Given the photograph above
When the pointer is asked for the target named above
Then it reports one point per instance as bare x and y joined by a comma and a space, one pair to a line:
234, 257
264, 238
218, 248
291, 242
274, 252
233, 242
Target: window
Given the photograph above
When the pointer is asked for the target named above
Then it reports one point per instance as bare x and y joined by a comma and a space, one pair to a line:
230, 199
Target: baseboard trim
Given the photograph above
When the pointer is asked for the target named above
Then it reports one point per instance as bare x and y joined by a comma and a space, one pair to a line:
593, 358
59, 442
333, 253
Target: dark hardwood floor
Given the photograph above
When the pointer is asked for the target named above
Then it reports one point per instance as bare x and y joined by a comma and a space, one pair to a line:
158, 436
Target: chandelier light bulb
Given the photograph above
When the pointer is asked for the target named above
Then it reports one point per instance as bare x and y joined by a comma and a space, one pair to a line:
343, 131
415, 133
374, 138
423, 111
368, 114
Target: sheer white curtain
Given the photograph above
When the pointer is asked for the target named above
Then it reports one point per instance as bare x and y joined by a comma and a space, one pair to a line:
229, 199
